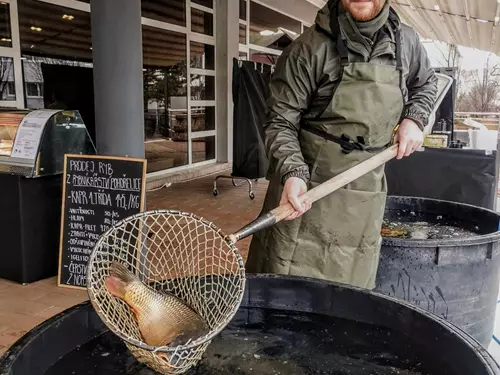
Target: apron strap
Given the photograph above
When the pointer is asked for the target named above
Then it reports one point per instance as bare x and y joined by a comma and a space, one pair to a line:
399, 60
345, 142
341, 44
342, 50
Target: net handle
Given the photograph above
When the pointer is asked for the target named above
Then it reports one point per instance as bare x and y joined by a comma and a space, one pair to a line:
281, 212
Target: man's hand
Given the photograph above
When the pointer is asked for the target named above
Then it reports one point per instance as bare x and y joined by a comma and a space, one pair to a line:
295, 187
410, 138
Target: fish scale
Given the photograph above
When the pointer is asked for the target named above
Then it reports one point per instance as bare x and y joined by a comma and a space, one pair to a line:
163, 318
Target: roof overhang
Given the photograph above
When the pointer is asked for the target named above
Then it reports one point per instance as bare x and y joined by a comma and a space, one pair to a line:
468, 23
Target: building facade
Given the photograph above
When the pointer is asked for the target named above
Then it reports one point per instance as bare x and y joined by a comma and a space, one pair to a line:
49, 59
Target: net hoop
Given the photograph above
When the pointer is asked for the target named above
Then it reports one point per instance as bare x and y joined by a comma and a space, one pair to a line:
204, 340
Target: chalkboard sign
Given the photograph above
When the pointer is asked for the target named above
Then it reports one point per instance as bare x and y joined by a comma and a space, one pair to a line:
98, 191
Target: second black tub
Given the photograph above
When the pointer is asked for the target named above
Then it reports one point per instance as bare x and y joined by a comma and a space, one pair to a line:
456, 278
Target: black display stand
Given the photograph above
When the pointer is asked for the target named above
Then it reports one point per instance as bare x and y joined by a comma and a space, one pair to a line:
458, 175
29, 227
31, 190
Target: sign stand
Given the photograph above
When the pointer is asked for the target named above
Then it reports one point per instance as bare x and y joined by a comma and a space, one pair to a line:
98, 191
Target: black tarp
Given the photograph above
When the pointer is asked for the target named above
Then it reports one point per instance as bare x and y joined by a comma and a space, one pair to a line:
250, 91
458, 175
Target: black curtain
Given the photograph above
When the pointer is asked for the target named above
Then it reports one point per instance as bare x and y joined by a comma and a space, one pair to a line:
250, 91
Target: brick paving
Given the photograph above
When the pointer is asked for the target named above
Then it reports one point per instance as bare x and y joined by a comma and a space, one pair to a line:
230, 210
24, 307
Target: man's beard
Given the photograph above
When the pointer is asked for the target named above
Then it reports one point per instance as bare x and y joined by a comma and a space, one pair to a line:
364, 13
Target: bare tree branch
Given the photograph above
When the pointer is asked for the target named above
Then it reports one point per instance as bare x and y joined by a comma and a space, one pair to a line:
482, 90
6, 66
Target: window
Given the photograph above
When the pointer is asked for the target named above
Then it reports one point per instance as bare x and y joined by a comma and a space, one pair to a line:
202, 56
5, 29
11, 89
203, 149
165, 98
51, 34
7, 78
33, 90
56, 47
169, 11
202, 22
56, 53
243, 34
202, 87
202, 118
243, 10
205, 3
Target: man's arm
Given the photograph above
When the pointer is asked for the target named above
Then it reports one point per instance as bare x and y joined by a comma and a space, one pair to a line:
422, 85
290, 91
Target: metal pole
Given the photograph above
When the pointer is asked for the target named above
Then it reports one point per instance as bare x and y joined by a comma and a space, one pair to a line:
118, 77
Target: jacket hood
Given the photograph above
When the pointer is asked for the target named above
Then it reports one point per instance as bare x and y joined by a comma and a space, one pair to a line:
330, 10
324, 15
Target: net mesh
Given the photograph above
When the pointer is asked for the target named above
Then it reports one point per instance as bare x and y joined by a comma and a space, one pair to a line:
169, 251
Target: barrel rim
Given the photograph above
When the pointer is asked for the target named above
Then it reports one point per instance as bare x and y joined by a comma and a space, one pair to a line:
445, 242
8, 359
11, 355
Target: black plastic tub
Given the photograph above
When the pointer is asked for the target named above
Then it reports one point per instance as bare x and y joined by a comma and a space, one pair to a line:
285, 325
456, 278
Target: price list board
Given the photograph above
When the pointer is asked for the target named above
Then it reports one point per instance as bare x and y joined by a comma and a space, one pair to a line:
98, 191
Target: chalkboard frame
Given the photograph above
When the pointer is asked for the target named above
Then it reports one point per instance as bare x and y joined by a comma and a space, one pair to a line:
63, 203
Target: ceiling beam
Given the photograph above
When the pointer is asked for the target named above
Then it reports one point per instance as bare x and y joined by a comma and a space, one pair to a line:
467, 19
450, 32
424, 20
318, 3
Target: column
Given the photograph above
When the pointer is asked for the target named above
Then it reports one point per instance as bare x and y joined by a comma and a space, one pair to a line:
226, 48
118, 79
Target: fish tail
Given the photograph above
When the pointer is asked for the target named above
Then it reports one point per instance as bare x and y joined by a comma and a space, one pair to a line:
118, 279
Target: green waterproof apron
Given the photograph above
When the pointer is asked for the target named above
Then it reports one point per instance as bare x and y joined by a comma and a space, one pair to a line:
339, 238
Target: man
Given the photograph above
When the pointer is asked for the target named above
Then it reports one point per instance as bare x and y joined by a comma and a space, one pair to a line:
337, 97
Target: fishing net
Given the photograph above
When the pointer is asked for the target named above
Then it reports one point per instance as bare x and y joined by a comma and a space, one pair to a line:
175, 252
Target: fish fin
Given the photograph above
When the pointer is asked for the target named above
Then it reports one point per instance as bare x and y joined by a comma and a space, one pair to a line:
118, 279
115, 286
121, 272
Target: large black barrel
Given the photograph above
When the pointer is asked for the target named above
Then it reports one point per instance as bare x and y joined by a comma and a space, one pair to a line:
455, 278
285, 325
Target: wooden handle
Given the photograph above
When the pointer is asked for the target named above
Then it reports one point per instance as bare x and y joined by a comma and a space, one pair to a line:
339, 181
282, 212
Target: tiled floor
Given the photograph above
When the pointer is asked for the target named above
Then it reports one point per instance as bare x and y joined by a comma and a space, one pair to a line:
23, 307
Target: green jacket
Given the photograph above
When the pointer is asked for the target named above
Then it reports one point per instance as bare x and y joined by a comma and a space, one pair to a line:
308, 70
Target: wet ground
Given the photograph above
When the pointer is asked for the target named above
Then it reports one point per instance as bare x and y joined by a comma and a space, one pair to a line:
267, 342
